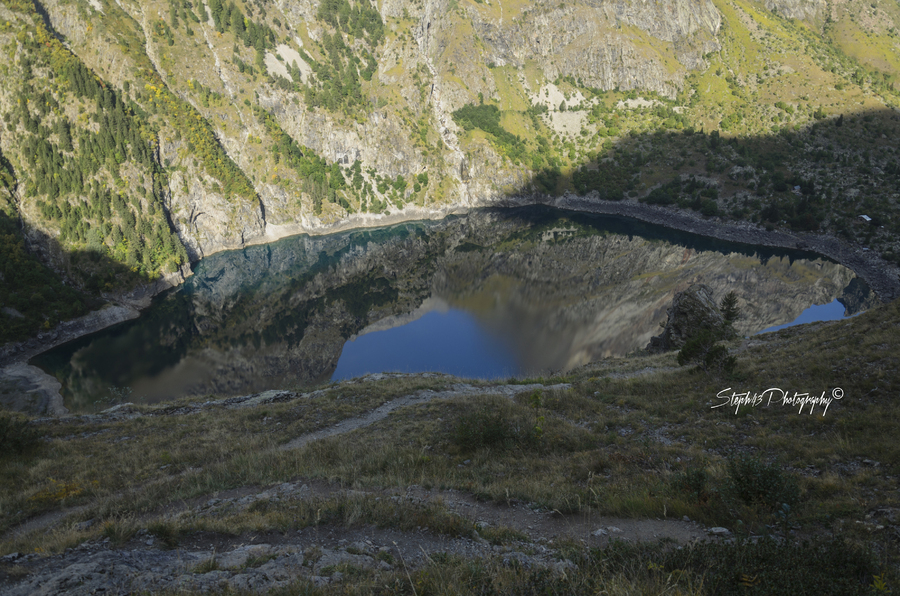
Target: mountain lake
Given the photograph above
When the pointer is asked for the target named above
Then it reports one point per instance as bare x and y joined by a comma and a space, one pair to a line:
489, 294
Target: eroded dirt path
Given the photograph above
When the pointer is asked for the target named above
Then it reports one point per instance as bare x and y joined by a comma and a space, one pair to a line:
419, 397
212, 561
262, 561
127, 411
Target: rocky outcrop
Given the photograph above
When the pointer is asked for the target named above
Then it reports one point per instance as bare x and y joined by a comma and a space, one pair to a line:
692, 311
29, 389
798, 9
604, 44
325, 555
208, 222
597, 42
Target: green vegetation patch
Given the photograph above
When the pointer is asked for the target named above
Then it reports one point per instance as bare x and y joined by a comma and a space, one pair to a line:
32, 296
340, 74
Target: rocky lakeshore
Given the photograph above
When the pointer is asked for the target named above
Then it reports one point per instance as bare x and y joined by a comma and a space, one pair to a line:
882, 277
28, 388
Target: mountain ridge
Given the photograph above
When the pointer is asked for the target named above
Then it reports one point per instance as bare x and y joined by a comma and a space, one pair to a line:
246, 144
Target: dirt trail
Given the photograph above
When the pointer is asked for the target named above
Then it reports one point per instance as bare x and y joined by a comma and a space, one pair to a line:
313, 552
420, 397
126, 411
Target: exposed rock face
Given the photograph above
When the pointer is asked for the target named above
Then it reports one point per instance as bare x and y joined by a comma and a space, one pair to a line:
798, 9
207, 222
692, 310
440, 55
31, 390
605, 44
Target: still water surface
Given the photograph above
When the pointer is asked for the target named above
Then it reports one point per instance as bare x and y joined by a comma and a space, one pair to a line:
466, 349
490, 294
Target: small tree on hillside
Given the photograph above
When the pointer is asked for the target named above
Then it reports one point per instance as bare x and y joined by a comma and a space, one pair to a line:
703, 348
730, 312
729, 307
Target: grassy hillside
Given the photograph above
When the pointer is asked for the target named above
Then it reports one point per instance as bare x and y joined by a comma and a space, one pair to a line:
625, 439
138, 135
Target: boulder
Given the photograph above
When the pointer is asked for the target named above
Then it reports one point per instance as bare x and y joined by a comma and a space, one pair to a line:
692, 310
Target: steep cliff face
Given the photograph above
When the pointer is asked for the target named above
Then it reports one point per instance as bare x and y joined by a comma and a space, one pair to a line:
626, 45
206, 218
798, 9
206, 221
139, 45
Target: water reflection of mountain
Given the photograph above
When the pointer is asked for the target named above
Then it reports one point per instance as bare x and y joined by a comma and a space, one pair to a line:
560, 290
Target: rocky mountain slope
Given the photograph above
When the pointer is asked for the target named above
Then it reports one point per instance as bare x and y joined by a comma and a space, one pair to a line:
140, 135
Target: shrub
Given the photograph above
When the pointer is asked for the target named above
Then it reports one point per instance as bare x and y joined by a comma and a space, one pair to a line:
709, 208
118, 531
167, 532
719, 360
710, 356
759, 484
17, 436
486, 427
502, 425
693, 481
